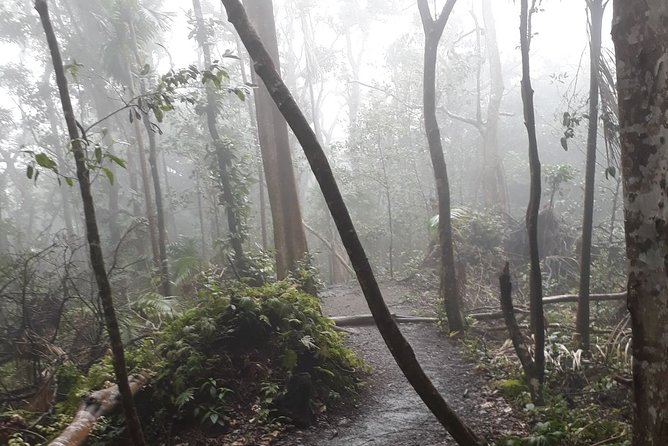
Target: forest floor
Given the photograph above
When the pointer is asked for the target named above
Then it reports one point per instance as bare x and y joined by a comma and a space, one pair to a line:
389, 412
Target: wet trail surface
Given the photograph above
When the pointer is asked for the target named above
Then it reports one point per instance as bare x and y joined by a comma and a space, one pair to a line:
389, 411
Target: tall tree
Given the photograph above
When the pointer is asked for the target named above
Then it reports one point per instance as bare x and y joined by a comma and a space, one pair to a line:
494, 181
92, 232
640, 34
223, 155
595, 9
433, 30
535, 278
399, 347
289, 236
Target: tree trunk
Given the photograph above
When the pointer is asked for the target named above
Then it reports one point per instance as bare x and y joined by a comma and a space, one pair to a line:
92, 233
146, 187
537, 318
433, 29
223, 154
289, 236
400, 348
258, 159
640, 34
494, 181
595, 8
165, 284
50, 110
95, 405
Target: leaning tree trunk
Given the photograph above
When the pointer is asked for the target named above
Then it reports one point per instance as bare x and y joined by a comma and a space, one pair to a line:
400, 348
92, 232
433, 29
535, 280
640, 34
595, 8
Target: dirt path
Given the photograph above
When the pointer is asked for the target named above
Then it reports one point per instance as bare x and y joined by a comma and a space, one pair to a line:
389, 412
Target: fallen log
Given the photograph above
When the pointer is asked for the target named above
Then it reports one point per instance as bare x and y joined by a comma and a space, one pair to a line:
362, 320
93, 406
592, 297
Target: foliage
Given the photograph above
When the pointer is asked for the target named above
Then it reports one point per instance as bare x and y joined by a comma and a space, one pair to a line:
232, 355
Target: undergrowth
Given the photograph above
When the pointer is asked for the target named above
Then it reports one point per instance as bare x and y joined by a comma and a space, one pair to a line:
239, 359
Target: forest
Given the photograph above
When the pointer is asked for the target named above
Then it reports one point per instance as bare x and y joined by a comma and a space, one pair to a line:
336, 223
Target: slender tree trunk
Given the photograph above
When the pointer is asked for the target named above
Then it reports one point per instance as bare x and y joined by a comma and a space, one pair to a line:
148, 195
165, 284
50, 110
289, 237
223, 154
388, 197
140, 241
535, 280
640, 34
400, 348
494, 183
92, 233
258, 164
595, 8
200, 214
161, 235
433, 30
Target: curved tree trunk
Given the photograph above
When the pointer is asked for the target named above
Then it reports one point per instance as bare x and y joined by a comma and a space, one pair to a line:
400, 348
641, 43
433, 29
92, 233
535, 280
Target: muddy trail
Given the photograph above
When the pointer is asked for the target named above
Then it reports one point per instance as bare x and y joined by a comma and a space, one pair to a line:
389, 412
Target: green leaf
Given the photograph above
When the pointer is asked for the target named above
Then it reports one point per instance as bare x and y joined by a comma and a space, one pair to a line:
117, 160
108, 173
29, 171
610, 171
158, 114
45, 161
240, 94
289, 360
69, 181
98, 154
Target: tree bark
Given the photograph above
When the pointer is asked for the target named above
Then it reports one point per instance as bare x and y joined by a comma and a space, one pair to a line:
640, 34
528, 363
289, 236
537, 319
223, 152
595, 8
92, 232
400, 348
97, 404
494, 183
433, 29
165, 284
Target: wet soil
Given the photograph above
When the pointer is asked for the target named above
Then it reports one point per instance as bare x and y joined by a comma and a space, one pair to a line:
389, 411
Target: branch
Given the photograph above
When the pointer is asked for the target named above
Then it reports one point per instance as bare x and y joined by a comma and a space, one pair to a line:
329, 246
479, 125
